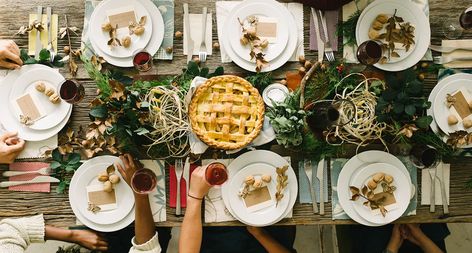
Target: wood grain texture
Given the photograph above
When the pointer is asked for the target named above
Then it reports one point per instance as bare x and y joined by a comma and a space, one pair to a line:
56, 207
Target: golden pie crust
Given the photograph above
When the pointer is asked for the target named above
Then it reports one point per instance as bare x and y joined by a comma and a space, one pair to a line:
226, 112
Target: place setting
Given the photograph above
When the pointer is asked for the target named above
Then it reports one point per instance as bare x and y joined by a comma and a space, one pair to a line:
123, 31
259, 35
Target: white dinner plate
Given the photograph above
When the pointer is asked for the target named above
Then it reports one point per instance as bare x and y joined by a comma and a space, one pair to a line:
258, 9
410, 13
402, 193
158, 29
101, 38
432, 96
354, 164
26, 83
11, 123
266, 157
440, 109
123, 193
266, 215
275, 63
76, 194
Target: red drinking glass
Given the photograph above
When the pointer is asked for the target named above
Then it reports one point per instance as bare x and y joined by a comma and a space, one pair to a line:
216, 173
143, 181
71, 91
369, 52
142, 61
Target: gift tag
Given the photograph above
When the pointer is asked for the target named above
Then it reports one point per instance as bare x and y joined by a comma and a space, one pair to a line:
267, 29
98, 197
121, 17
29, 107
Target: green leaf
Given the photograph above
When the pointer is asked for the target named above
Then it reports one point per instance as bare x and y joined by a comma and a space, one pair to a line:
192, 69
56, 155
61, 187
218, 71
398, 108
30, 61
24, 55
415, 88
54, 165
424, 122
204, 72
44, 55
74, 158
99, 111
70, 168
410, 109
141, 131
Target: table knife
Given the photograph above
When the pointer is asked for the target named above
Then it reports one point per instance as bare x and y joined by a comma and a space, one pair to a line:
38, 48
318, 35
38, 179
188, 37
432, 196
320, 176
186, 175
443, 189
308, 168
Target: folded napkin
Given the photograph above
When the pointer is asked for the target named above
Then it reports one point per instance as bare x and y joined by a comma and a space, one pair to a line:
157, 198
458, 53
44, 33
443, 172
336, 167
196, 33
304, 184
349, 52
173, 187
215, 209
224, 8
166, 7
28, 166
331, 24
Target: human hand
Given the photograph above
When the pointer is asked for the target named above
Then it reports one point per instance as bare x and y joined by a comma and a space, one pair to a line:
89, 239
413, 233
10, 147
199, 187
396, 239
130, 167
9, 55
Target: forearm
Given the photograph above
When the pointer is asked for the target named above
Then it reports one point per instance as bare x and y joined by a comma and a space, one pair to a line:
191, 233
427, 245
58, 234
144, 222
269, 243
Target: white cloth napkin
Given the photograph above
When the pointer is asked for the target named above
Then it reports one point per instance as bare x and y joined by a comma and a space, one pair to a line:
442, 169
349, 52
33, 149
266, 135
196, 33
223, 8
215, 209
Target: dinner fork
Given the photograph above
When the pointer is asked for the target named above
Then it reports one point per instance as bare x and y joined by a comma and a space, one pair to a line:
448, 49
328, 50
178, 168
50, 47
202, 55
43, 171
449, 58
308, 167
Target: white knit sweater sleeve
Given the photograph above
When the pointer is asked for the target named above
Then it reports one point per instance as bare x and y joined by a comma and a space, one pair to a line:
151, 246
17, 234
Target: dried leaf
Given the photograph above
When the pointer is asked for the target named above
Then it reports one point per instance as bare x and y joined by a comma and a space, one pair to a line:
111, 169
355, 197
365, 190
354, 190
395, 54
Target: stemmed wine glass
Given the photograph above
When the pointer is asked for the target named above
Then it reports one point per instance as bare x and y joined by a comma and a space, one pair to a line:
330, 113
453, 28
424, 156
370, 52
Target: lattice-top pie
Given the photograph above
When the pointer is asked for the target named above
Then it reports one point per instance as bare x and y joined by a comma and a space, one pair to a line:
226, 112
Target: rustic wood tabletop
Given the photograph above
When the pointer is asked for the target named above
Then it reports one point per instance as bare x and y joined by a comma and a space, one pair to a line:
56, 207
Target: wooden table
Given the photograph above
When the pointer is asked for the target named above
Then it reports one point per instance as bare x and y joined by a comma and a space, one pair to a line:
56, 207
